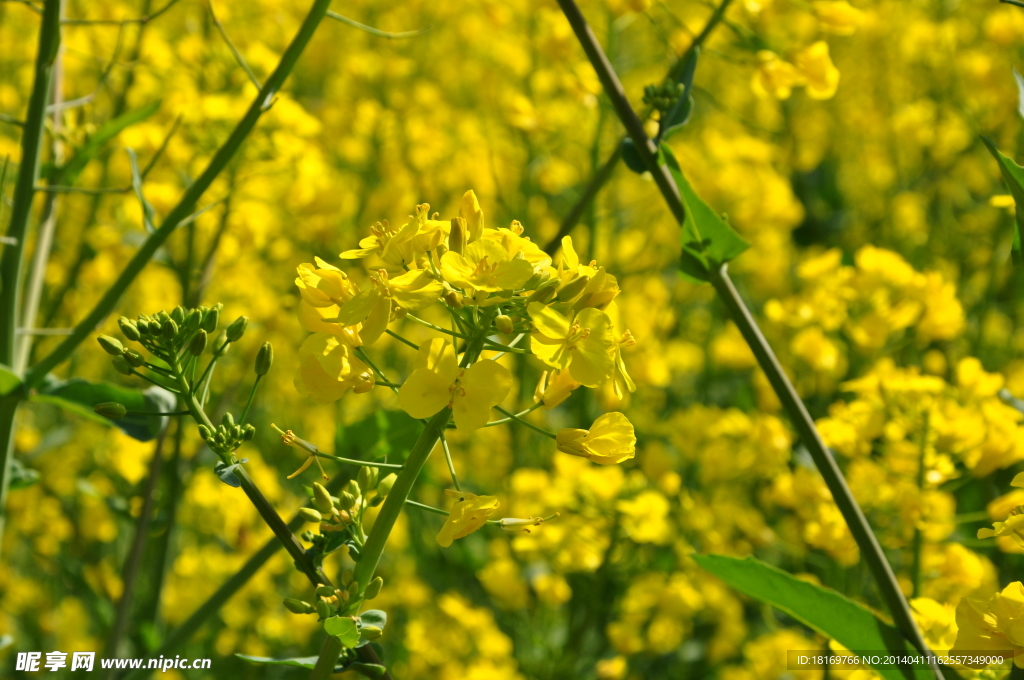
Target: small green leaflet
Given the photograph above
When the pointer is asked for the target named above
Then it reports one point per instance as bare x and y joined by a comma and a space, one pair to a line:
300, 661
708, 240
1013, 175
9, 380
343, 628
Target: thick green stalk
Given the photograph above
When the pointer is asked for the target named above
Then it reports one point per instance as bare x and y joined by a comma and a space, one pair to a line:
188, 201
12, 260
8, 411
328, 657
888, 586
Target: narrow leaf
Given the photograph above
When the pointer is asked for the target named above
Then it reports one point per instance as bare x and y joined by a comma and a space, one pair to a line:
9, 380
825, 611
80, 396
300, 661
148, 214
1013, 175
68, 173
1020, 92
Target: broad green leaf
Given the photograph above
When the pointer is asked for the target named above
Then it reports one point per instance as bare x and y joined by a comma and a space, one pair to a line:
679, 114
300, 661
380, 434
9, 380
80, 396
706, 236
1013, 175
69, 171
374, 617
825, 611
343, 628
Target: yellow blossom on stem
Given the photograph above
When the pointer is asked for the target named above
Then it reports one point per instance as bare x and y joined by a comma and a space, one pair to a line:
374, 308
440, 382
820, 74
554, 387
469, 513
775, 77
324, 290
583, 345
609, 440
328, 369
486, 267
993, 624
838, 16
1012, 527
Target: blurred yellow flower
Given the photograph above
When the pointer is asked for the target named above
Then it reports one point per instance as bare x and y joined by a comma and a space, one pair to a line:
609, 440
440, 382
469, 513
775, 77
820, 75
837, 16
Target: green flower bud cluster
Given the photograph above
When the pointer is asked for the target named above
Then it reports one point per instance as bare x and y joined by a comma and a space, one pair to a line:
662, 98
329, 600
227, 436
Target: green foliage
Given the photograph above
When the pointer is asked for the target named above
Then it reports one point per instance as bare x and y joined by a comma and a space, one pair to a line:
69, 171
9, 380
382, 434
300, 661
81, 396
1013, 175
343, 628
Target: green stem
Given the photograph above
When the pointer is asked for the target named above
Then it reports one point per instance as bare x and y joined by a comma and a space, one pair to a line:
13, 259
428, 508
188, 201
422, 322
248, 403
867, 542
8, 412
514, 416
448, 460
918, 543
398, 337
364, 463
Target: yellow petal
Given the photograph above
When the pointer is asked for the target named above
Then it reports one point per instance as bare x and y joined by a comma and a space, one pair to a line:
424, 393
548, 322
359, 307
377, 322
1018, 479
482, 386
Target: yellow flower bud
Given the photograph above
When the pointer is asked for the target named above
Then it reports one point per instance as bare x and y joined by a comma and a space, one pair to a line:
457, 236
609, 440
503, 323
310, 515
322, 498
373, 588
111, 345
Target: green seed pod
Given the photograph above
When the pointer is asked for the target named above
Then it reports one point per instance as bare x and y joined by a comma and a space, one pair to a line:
111, 345
248, 432
298, 606
310, 515
110, 409
228, 420
321, 498
205, 433
384, 485
169, 329
237, 328
198, 344
210, 319
264, 359
370, 632
121, 366
573, 289
178, 315
325, 591
373, 588
545, 292
503, 323
457, 236
323, 609
367, 477
128, 329
133, 358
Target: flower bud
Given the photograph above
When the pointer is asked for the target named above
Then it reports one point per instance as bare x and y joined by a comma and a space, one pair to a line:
321, 498
373, 588
169, 329
298, 606
228, 420
133, 358
367, 477
128, 329
111, 345
310, 515
570, 440
323, 609
264, 359
110, 409
573, 289
198, 344
457, 236
155, 327
210, 319
325, 591
384, 485
353, 589
371, 632
237, 329
454, 299
248, 432
143, 326
347, 500
205, 433
121, 366
503, 323
193, 320
178, 315
538, 279
545, 292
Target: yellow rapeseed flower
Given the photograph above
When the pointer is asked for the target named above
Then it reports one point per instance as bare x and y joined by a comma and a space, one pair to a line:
993, 624
374, 307
838, 16
469, 513
609, 440
775, 77
328, 369
485, 266
583, 345
820, 74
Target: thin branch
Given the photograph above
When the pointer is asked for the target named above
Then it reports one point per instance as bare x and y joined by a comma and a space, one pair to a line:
376, 31
231, 46
120, 22
11, 120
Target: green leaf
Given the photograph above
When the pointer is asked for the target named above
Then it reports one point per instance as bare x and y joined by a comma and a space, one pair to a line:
374, 617
148, 214
80, 396
68, 173
9, 380
631, 157
300, 661
370, 670
22, 477
825, 611
343, 628
679, 114
380, 434
708, 240
1013, 175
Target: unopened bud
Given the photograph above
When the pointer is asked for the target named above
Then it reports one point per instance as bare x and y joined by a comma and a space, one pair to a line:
155, 327
454, 299
110, 409
133, 358
323, 609
457, 236
573, 289
384, 485
325, 591
503, 323
545, 292
367, 477
205, 432
310, 515
178, 315
111, 345
298, 606
228, 420
370, 632
121, 366
237, 329
210, 319
321, 498
347, 500
373, 588
143, 326
248, 432
128, 329
198, 344
169, 329
264, 359
193, 320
